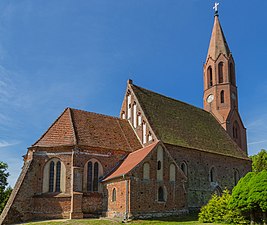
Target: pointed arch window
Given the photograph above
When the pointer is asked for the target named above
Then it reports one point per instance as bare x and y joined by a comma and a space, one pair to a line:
220, 67
222, 96
161, 197
236, 133
93, 173
212, 174
172, 172
209, 73
114, 195
54, 174
51, 176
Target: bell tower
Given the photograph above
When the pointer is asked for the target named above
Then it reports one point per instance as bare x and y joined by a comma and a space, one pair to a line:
220, 90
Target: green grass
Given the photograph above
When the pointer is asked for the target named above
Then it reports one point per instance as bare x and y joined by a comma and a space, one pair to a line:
188, 220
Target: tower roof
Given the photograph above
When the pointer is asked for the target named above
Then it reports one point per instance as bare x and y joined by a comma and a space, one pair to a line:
218, 42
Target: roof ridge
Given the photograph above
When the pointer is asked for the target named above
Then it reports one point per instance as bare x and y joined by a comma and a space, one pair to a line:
51, 126
107, 116
171, 98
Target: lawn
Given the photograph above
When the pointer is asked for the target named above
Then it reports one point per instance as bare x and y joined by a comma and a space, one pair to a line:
192, 220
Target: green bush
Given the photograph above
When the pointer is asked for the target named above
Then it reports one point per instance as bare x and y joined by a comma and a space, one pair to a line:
217, 210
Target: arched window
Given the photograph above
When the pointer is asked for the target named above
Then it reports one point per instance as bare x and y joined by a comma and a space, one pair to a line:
159, 165
184, 168
58, 173
222, 96
210, 81
114, 195
232, 74
146, 171
54, 174
123, 115
161, 194
220, 72
236, 133
212, 174
236, 176
172, 172
93, 172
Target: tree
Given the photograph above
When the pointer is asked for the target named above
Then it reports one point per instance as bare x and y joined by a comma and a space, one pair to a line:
4, 192
217, 210
250, 195
259, 161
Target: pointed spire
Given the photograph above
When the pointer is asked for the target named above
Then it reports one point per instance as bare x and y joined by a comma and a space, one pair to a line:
218, 42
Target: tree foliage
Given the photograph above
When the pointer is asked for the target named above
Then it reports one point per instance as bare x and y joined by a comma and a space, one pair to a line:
217, 210
4, 192
259, 161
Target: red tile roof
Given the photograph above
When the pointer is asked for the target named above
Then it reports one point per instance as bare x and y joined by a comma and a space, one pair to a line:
131, 161
77, 127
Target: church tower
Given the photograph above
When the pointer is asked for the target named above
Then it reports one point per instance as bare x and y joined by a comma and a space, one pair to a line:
220, 90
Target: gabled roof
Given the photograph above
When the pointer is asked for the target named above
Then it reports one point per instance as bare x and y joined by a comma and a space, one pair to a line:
218, 44
131, 161
177, 123
77, 127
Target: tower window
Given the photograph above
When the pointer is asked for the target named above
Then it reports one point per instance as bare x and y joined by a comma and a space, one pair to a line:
221, 72
210, 82
222, 96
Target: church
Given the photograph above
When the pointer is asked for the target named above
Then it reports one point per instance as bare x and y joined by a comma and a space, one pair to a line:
160, 157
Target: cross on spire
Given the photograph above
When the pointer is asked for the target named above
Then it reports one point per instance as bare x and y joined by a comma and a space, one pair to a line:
215, 7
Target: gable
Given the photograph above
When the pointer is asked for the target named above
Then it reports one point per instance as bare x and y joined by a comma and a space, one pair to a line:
177, 123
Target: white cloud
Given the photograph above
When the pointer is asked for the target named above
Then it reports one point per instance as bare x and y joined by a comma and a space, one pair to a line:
4, 144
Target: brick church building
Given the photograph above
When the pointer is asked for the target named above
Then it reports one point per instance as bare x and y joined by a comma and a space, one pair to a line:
160, 157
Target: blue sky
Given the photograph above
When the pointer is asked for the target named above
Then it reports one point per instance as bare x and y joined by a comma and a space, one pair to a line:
68, 53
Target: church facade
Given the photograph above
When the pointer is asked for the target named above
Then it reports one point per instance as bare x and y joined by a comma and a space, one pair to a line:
160, 157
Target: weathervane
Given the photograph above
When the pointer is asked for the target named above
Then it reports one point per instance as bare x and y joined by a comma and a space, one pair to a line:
216, 8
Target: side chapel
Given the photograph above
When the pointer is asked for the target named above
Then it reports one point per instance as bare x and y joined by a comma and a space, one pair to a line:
160, 157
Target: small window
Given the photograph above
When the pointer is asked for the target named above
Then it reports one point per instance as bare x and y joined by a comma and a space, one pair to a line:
222, 96
114, 195
221, 72
232, 74
161, 194
184, 168
159, 165
212, 175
